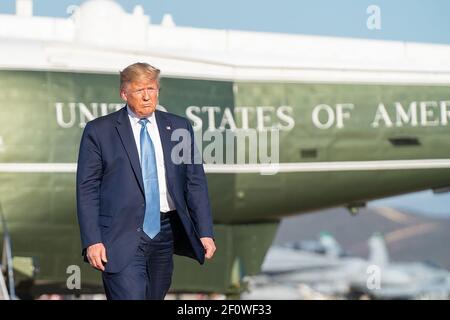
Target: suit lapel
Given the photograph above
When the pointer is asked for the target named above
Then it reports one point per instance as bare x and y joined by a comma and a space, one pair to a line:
165, 132
126, 136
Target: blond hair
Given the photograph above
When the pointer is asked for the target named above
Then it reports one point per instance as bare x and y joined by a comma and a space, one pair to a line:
138, 71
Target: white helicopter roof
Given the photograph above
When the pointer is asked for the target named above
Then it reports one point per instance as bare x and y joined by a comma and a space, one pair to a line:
100, 36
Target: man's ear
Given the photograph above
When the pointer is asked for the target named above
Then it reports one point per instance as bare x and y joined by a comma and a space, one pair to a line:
123, 95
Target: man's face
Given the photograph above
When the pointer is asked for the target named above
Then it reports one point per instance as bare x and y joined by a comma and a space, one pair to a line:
141, 96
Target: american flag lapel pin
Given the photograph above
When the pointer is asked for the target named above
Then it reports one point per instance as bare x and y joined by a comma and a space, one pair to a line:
168, 127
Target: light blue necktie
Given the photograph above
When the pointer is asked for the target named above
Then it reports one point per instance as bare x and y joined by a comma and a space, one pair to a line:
152, 223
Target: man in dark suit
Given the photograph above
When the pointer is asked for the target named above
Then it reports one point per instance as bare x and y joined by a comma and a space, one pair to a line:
137, 204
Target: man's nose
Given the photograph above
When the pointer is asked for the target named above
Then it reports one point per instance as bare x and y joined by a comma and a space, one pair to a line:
146, 95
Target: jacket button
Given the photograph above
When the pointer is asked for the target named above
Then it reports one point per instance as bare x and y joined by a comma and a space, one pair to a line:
143, 205
138, 229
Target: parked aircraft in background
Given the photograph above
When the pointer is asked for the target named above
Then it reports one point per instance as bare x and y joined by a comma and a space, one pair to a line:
318, 270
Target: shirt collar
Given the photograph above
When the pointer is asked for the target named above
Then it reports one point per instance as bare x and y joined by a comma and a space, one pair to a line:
135, 119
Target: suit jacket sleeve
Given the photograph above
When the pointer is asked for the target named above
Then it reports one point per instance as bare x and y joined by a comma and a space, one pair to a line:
197, 197
89, 174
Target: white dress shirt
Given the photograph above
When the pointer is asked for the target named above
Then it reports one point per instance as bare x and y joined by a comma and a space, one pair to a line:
165, 201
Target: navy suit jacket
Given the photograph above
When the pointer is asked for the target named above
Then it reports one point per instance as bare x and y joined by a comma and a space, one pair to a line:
110, 192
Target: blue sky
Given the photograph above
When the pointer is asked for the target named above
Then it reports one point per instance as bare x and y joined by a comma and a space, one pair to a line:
406, 20
421, 203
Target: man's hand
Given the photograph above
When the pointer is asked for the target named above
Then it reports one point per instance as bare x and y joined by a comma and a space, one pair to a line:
96, 255
210, 247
